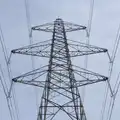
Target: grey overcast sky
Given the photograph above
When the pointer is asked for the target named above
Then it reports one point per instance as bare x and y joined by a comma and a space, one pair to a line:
106, 19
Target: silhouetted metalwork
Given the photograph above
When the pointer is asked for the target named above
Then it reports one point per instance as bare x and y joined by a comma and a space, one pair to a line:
69, 27
61, 94
42, 49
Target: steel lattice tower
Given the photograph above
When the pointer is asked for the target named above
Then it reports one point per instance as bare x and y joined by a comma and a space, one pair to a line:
60, 94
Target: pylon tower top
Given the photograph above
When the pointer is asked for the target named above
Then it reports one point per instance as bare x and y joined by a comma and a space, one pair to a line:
61, 94
69, 27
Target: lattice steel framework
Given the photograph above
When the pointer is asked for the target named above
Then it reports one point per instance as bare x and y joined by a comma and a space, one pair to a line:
60, 94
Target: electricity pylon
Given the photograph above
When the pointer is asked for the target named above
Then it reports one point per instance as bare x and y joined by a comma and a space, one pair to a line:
61, 94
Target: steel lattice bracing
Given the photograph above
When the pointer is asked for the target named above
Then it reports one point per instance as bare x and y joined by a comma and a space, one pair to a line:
42, 49
60, 94
85, 77
69, 27
70, 97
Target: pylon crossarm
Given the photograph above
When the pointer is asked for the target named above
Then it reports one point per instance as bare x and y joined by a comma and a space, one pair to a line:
42, 49
69, 27
84, 73
33, 83
86, 82
39, 49
31, 78
86, 77
80, 49
47, 27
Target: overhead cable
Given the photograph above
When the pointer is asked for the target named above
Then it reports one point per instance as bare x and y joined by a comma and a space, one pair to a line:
88, 31
112, 59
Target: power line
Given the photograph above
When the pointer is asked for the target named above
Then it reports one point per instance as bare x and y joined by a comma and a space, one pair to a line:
112, 59
4, 90
90, 17
5, 84
88, 31
112, 102
27, 8
9, 73
3, 44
